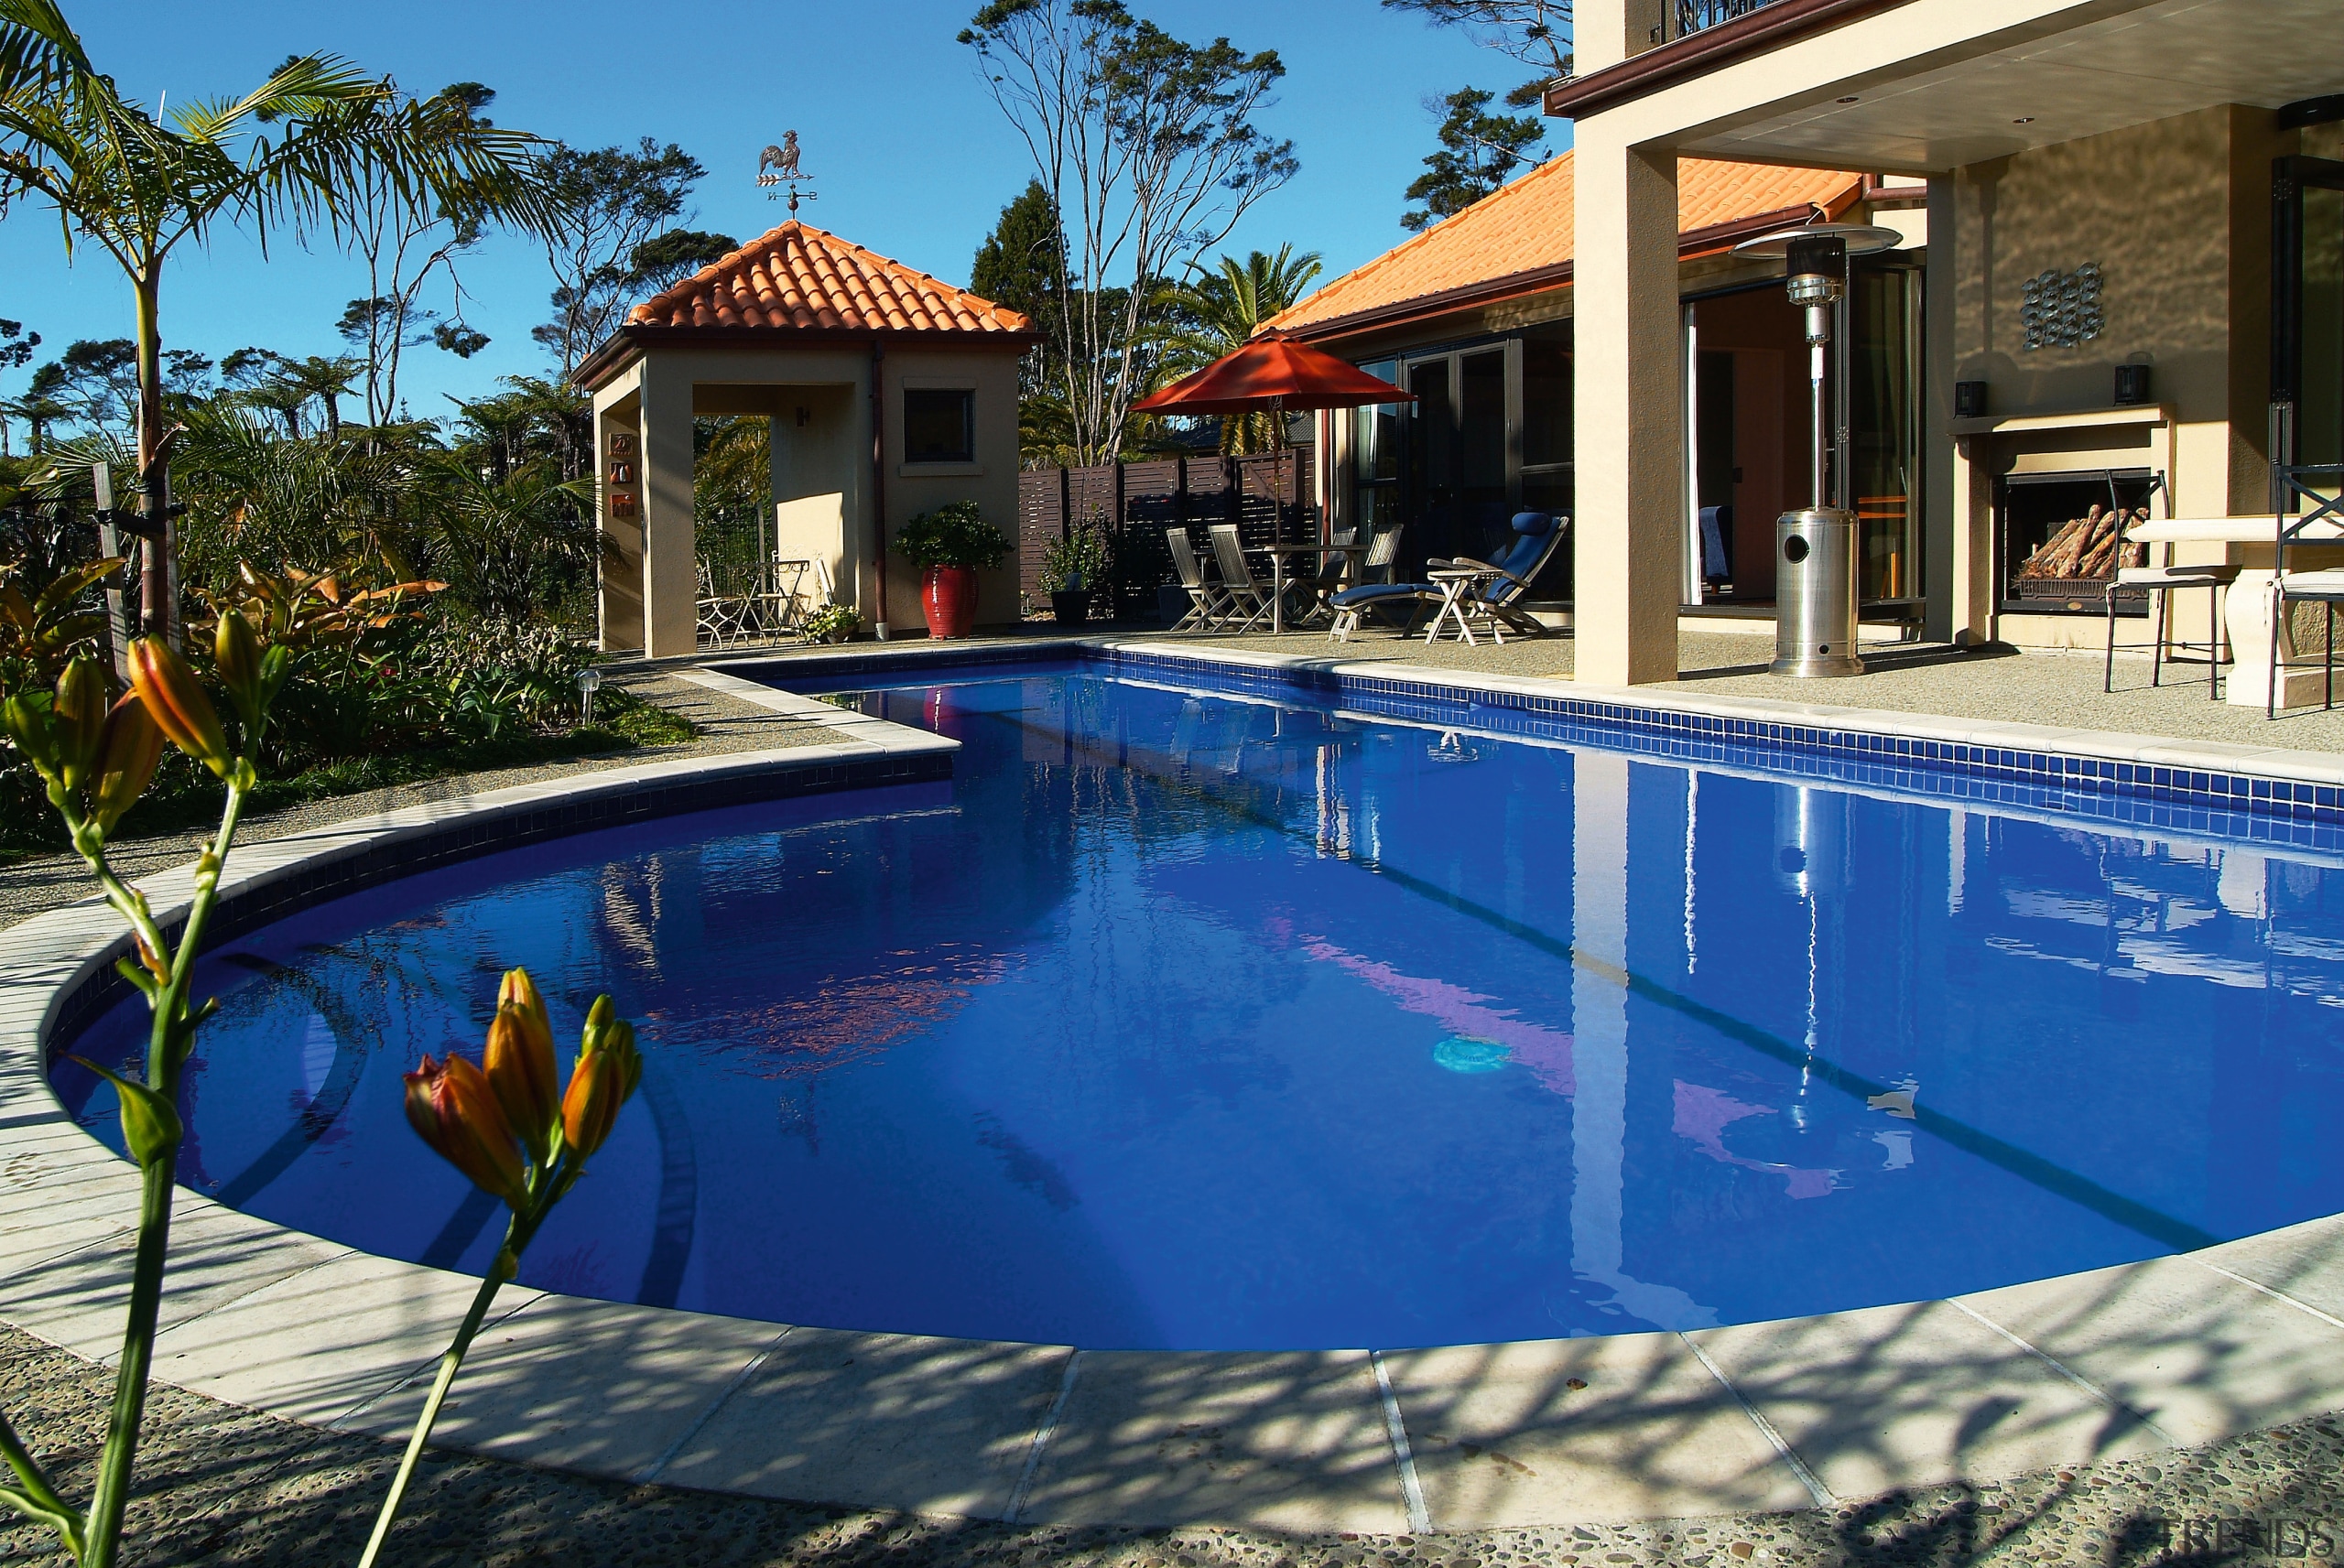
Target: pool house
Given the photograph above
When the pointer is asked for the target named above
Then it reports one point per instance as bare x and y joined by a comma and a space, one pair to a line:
887, 393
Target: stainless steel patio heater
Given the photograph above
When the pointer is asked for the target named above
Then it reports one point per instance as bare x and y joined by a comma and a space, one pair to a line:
1815, 548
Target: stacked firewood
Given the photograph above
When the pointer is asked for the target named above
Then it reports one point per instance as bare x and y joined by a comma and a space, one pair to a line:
2088, 546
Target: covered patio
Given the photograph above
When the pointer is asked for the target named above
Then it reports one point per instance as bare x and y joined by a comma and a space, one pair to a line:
2132, 150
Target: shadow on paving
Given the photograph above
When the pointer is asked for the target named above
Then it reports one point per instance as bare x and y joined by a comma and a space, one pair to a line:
224, 1486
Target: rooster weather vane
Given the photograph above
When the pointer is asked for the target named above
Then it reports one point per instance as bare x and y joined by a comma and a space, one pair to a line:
778, 173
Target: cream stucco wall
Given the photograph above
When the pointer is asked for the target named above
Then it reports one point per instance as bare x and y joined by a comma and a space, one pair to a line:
819, 399
2176, 214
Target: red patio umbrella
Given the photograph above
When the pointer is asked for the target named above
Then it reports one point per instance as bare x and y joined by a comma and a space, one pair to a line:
1271, 371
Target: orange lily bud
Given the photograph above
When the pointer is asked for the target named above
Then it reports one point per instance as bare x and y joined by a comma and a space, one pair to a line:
127, 756
608, 1069
80, 720
452, 1108
519, 990
520, 1070
236, 654
175, 700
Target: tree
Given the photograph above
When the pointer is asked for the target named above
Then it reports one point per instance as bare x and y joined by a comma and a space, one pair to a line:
297, 149
1020, 261
1478, 150
666, 260
1018, 265
17, 347
1217, 311
1535, 32
1147, 150
96, 378
405, 244
605, 205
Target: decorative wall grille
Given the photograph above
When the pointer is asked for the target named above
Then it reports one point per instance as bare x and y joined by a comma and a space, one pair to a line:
2062, 309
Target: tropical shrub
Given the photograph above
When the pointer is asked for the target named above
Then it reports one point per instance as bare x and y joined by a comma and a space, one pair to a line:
954, 534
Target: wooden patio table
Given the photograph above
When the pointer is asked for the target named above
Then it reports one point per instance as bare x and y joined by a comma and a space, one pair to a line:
2252, 542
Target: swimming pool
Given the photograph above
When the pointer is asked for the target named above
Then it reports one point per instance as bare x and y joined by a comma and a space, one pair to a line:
1194, 1017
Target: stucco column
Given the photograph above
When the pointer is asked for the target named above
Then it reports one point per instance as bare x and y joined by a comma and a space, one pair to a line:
670, 589
1951, 610
1628, 534
618, 572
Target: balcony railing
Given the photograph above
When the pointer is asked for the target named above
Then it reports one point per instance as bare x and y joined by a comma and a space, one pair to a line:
1698, 16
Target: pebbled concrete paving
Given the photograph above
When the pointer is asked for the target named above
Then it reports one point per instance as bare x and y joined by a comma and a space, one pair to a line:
221, 1486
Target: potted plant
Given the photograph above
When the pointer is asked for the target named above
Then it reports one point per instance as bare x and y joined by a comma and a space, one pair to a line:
832, 624
950, 545
1071, 568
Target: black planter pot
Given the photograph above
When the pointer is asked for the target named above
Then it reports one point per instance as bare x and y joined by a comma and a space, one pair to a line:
1072, 609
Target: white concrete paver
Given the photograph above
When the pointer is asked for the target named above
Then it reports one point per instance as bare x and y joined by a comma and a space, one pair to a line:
890, 1420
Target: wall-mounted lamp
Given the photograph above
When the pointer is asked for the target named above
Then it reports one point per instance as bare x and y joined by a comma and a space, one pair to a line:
2132, 382
1969, 400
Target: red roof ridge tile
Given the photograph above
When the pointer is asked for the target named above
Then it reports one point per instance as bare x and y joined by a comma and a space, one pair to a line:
795, 276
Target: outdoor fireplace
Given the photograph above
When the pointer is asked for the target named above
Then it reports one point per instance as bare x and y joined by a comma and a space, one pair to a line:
2062, 538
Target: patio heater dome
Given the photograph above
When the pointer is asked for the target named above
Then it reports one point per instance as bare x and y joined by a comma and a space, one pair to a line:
1816, 596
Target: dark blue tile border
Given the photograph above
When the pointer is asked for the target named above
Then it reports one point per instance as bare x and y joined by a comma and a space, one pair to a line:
2278, 811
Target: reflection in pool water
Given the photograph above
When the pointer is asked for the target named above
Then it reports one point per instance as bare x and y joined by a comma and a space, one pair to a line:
1190, 1020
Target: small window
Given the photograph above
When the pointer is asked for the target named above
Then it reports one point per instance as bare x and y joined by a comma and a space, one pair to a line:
939, 427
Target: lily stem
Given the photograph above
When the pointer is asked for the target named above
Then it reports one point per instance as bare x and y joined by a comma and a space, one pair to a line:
516, 1236
165, 1049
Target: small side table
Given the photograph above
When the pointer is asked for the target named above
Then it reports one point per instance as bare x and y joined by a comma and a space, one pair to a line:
1454, 582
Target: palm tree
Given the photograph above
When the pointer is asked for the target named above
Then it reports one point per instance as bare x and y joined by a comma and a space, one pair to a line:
293, 150
39, 413
1217, 312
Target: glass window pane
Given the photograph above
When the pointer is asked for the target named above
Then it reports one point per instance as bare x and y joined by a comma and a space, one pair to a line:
1432, 468
1884, 411
1377, 430
1480, 450
2319, 407
1549, 491
940, 426
1547, 396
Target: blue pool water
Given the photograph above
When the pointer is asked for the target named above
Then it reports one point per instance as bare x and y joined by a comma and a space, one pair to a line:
1187, 1019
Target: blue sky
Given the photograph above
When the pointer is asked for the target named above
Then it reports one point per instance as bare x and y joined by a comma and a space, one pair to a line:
913, 159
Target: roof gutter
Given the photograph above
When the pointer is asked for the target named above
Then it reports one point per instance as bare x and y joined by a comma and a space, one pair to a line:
1705, 241
1768, 27
604, 362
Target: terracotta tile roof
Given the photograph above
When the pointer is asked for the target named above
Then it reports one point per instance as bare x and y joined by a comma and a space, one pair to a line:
1525, 227
797, 277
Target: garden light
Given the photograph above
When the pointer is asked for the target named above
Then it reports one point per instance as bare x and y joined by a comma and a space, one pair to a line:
589, 681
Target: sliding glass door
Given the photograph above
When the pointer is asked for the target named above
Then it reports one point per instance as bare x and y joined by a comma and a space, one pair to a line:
2307, 311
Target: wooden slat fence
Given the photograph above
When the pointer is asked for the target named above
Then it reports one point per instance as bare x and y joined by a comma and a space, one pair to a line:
1268, 495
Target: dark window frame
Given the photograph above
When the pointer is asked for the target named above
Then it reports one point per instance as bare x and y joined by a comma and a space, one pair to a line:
967, 398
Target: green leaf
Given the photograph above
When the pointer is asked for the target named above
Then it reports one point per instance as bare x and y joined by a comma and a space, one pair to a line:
150, 1124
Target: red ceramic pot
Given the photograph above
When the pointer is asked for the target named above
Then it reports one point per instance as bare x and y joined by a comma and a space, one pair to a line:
949, 596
